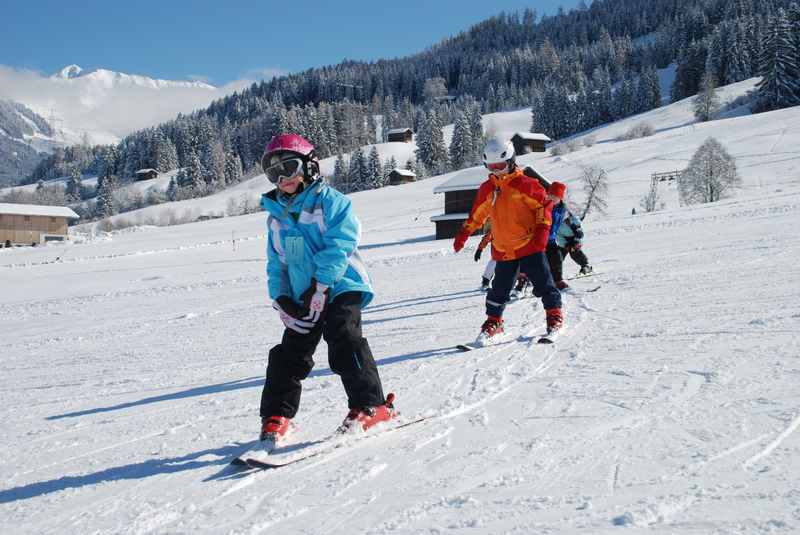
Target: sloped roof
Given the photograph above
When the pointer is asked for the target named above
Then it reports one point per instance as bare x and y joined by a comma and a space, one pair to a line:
533, 136
37, 210
400, 131
404, 172
465, 179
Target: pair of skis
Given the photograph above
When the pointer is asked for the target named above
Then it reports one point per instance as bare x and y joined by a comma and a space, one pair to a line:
547, 338
290, 454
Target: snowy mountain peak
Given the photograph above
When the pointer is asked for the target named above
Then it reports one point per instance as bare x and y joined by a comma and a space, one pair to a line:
68, 72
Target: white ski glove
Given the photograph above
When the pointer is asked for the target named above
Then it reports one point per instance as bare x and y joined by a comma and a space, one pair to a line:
297, 325
316, 303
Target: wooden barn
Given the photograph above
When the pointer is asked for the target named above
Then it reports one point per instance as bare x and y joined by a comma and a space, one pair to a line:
32, 224
146, 174
459, 194
401, 176
403, 135
527, 142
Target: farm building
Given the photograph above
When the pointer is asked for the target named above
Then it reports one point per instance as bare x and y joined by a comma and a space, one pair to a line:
403, 135
146, 174
401, 176
459, 194
32, 224
527, 142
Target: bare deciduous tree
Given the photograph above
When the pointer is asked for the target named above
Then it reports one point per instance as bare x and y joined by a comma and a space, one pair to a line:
595, 187
652, 200
706, 103
711, 175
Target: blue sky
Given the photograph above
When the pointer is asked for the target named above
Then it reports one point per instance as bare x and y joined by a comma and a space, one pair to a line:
226, 41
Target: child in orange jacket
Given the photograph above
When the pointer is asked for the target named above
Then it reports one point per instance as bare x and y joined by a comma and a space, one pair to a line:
520, 214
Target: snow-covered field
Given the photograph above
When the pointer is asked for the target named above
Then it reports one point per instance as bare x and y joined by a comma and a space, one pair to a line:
132, 369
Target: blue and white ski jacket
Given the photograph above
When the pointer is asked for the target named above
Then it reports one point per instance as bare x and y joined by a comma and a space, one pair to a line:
313, 234
557, 217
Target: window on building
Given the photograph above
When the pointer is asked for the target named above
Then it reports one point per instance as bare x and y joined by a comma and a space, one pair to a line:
27, 218
52, 219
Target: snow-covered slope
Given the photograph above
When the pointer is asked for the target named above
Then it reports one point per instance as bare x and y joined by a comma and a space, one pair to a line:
132, 369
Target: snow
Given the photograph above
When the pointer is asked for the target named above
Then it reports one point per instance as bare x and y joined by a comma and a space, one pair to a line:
404, 172
37, 210
133, 365
532, 136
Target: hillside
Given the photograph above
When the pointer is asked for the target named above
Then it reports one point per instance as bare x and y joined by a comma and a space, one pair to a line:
677, 136
133, 364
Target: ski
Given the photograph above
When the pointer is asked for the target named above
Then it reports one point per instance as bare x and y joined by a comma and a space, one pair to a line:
579, 276
503, 338
327, 445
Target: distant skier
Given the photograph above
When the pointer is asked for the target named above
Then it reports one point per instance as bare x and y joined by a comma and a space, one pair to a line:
319, 285
488, 273
565, 237
520, 216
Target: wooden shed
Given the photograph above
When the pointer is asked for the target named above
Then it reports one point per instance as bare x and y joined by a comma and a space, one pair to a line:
401, 176
403, 135
527, 142
146, 174
459, 194
32, 224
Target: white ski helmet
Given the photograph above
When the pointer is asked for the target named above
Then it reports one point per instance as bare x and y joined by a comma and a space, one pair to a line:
497, 154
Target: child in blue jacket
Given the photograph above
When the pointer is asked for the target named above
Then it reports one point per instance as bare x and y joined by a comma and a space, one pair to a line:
318, 284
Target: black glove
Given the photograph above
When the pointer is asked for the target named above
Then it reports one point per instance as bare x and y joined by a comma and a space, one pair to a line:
578, 233
478, 253
291, 308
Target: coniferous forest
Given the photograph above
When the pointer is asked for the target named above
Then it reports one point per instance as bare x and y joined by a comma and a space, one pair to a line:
575, 70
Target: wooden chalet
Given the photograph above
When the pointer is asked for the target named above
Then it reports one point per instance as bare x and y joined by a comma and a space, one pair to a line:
32, 224
403, 135
527, 142
459, 194
401, 176
145, 174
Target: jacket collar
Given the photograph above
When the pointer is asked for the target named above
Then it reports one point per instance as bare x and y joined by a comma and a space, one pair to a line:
279, 204
503, 182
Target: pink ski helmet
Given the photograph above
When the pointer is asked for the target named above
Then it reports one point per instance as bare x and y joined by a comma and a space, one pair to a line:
296, 146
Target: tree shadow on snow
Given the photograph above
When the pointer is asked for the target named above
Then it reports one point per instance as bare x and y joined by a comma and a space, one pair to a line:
192, 392
424, 300
398, 242
152, 467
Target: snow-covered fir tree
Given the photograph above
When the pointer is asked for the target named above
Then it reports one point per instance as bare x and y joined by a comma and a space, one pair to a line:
375, 169
462, 145
340, 174
431, 150
780, 85
72, 193
106, 204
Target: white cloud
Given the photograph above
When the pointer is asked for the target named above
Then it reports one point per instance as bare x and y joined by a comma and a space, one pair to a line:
106, 110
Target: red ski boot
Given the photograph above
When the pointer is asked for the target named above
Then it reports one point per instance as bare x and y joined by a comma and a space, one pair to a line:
554, 320
562, 285
359, 420
491, 331
273, 430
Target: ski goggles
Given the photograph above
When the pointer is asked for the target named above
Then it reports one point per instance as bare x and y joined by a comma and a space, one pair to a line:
284, 169
499, 166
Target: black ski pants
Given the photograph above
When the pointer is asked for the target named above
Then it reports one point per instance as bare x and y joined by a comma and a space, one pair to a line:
505, 274
556, 256
555, 259
349, 356
579, 257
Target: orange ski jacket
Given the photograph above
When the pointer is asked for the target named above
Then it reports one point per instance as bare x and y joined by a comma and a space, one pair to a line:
520, 215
